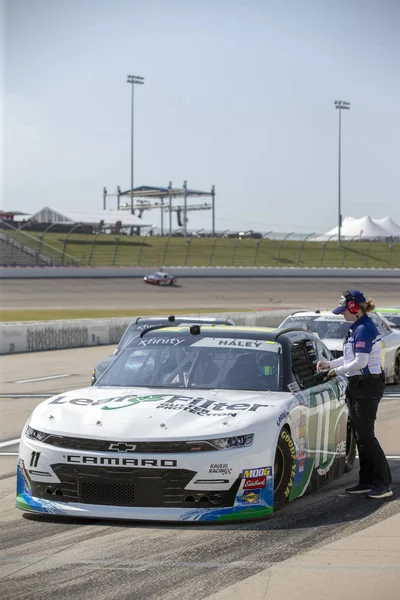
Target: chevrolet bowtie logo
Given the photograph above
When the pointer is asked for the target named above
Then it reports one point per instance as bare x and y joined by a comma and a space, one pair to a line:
122, 447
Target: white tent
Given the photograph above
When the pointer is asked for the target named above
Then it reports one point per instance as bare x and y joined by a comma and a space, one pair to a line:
363, 229
391, 228
88, 217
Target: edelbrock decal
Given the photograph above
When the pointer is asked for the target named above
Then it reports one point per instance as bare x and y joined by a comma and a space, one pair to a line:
256, 482
199, 406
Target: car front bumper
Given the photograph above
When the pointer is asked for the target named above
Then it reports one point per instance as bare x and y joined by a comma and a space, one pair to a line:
177, 487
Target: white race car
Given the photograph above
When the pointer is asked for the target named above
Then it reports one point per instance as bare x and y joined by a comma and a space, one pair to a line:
212, 424
160, 278
332, 329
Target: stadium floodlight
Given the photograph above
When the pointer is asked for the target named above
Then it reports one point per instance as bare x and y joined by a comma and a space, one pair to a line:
133, 80
340, 105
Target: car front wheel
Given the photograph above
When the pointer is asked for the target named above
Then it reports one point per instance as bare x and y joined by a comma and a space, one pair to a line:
284, 468
396, 373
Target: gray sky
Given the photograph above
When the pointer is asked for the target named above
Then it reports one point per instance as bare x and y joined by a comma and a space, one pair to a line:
238, 93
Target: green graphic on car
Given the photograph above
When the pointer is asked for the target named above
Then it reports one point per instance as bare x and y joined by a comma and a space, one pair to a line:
133, 400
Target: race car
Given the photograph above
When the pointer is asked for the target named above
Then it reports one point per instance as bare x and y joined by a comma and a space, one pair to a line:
212, 424
332, 329
160, 278
142, 323
392, 315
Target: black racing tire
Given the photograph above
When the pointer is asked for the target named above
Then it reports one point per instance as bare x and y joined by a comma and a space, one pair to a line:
284, 469
351, 447
396, 370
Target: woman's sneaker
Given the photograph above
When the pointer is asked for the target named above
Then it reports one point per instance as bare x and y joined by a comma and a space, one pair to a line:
380, 491
360, 488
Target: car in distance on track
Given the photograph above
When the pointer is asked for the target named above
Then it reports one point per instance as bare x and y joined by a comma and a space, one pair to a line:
392, 315
211, 424
160, 278
332, 329
142, 323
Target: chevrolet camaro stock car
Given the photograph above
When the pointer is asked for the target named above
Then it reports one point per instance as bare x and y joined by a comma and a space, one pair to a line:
190, 423
142, 323
392, 315
332, 329
160, 278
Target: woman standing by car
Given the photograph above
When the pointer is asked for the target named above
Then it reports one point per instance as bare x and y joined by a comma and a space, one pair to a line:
362, 364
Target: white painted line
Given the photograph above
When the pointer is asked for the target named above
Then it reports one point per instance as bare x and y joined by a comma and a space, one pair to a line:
9, 443
43, 378
8, 453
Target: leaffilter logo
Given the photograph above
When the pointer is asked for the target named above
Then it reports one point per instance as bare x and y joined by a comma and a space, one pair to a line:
133, 400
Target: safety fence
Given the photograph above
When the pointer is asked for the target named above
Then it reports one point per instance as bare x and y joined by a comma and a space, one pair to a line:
19, 246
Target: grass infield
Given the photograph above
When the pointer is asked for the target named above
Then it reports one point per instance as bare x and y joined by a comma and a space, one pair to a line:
123, 250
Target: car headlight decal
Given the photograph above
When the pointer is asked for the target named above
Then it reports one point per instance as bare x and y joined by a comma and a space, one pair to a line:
239, 441
34, 434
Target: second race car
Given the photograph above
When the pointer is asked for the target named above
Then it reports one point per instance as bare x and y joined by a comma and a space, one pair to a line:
332, 329
160, 278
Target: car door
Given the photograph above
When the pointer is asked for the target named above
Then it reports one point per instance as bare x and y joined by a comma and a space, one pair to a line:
389, 343
327, 412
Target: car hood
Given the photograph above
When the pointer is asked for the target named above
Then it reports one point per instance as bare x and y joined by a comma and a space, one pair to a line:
333, 344
143, 413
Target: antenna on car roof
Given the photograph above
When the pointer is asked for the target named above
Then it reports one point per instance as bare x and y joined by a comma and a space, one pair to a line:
195, 329
171, 318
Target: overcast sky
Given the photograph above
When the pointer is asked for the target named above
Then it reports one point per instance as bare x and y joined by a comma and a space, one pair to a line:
238, 93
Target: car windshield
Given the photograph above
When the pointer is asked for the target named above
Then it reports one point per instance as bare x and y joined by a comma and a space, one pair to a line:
196, 362
392, 318
326, 328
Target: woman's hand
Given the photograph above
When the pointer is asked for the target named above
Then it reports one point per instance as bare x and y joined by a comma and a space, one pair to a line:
322, 365
332, 374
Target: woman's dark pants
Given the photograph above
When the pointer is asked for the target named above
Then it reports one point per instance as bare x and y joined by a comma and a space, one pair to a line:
363, 396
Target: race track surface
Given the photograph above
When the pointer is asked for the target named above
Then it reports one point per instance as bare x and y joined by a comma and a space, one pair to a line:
58, 558
221, 293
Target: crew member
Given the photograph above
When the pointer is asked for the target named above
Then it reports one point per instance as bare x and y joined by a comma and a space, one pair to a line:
362, 364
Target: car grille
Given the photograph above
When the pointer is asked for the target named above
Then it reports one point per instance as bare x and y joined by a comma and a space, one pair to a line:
76, 443
131, 487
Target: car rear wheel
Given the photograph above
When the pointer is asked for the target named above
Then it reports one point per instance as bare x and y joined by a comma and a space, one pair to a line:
351, 447
284, 468
396, 373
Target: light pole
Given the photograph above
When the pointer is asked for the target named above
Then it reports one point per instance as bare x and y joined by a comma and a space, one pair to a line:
133, 80
340, 105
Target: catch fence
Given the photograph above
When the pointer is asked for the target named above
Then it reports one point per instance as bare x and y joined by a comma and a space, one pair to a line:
70, 247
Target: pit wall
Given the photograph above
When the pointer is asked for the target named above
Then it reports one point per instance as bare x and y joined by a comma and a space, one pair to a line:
36, 336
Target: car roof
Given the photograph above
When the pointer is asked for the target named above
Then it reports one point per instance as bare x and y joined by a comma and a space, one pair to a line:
180, 319
314, 313
235, 331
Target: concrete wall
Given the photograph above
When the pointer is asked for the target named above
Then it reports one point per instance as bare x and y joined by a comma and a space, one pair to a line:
53, 335
139, 272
